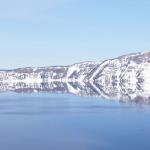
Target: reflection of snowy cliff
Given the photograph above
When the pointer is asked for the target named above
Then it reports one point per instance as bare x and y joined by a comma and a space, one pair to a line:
124, 78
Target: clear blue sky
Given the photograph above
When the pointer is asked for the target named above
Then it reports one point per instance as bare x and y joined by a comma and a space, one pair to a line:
59, 32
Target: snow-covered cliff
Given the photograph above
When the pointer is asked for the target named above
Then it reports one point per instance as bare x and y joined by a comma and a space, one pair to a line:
125, 77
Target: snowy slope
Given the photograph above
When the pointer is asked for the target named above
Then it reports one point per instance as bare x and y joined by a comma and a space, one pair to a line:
125, 77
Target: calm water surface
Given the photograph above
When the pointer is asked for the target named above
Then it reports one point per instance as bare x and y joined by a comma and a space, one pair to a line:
67, 122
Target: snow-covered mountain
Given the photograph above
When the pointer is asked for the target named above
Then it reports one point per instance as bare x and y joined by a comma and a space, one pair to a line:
125, 77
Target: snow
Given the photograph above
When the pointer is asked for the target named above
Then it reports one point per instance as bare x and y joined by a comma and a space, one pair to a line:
115, 77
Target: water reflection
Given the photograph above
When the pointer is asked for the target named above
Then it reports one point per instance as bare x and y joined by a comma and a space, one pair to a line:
134, 94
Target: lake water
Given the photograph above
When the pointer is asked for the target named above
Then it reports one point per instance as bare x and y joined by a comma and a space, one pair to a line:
43, 121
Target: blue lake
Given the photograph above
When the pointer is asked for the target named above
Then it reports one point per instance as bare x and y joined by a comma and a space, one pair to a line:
43, 121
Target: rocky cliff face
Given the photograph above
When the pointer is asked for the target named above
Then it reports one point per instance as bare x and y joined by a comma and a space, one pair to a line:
123, 78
